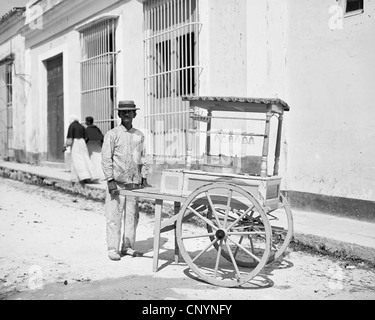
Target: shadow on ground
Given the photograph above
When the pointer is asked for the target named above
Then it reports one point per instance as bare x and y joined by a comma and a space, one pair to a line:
145, 287
125, 288
166, 259
137, 287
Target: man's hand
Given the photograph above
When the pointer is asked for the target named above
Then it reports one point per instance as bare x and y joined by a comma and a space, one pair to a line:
112, 186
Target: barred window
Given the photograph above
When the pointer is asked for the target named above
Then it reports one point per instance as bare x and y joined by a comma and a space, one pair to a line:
6, 108
9, 84
98, 73
171, 44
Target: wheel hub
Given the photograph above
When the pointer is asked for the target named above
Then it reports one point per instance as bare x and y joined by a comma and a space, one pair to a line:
220, 234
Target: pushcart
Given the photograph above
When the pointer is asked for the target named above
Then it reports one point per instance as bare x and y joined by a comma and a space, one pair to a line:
231, 218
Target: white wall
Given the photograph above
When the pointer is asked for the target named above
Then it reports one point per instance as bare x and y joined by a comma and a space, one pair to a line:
227, 47
20, 83
267, 69
68, 46
243, 47
331, 76
266, 48
129, 70
130, 59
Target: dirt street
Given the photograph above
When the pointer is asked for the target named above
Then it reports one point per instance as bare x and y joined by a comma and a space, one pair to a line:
52, 246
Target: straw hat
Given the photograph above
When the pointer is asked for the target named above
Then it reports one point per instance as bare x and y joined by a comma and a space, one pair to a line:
126, 105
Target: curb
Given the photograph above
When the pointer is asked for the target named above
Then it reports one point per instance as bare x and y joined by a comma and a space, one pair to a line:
334, 248
87, 190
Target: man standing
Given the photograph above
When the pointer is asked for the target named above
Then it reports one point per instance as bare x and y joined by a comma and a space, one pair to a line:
122, 155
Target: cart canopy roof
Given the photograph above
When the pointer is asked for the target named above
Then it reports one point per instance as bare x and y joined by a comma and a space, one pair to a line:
238, 104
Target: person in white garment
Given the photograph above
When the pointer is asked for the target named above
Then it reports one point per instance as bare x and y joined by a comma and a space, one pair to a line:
81, 165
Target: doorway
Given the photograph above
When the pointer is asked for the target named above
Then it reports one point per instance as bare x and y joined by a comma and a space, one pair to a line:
55, 109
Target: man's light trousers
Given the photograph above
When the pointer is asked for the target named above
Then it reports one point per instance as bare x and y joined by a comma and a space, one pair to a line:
121, 211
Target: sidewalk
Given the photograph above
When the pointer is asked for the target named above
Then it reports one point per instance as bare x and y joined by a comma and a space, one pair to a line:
343, 237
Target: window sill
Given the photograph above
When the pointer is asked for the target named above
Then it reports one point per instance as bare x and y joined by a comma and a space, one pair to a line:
353, 13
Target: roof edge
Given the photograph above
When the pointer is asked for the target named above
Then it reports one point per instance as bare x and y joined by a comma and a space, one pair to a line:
238, 100
15, 12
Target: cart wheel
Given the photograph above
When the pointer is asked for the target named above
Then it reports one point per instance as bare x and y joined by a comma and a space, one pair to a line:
218, 225
281, 221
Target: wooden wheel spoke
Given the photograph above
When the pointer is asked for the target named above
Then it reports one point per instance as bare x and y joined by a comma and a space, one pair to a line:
258, 230
252, 244
240, 217
279, 229
199, 207
249, 233
221, 215
233, 260
209, 222
244, 249
237, 248
205, 249
239, 228
198, 236
274, 217
213, 209
228, 207
252, 214
218, 257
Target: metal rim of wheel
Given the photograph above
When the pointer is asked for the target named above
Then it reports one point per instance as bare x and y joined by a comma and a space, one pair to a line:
208, 263
280, 238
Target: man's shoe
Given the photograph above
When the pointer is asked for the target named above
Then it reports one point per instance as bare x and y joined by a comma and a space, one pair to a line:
131, 252
114, 255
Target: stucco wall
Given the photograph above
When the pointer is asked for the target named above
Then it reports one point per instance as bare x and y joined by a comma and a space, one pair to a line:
243, 47
267, 69
130, 58
67, 45
129, 69
266, 48
226, 26
20, 84
331, 76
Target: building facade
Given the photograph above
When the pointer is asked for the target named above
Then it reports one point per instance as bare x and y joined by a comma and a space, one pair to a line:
13, 83
82, 57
